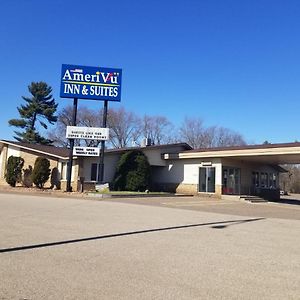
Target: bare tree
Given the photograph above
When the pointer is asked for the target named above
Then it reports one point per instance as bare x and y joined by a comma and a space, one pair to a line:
124, 127
85, 117
196, 135
158, 128
220, 137
58, 134
90, 118
290, 181
192, 132
224, 137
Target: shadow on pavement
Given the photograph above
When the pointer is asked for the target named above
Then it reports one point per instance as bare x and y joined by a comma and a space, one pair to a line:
222, 226
287, 201
215, 225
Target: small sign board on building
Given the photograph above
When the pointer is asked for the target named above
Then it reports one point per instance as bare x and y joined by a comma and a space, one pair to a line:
95, 83
86, 151
87, 133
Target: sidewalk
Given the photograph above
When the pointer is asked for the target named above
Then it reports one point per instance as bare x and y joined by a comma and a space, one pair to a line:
40, 192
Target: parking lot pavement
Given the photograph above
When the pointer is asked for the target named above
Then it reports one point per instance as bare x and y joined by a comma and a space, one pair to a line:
282, 210
59, 248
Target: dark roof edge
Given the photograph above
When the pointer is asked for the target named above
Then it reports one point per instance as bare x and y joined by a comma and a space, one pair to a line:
45, 149
35, 147
245, 147
184, 145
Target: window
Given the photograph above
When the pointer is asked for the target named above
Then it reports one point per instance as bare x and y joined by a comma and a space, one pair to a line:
270, 180
94, 172
273, 180
231, 180
255, 179
264, 180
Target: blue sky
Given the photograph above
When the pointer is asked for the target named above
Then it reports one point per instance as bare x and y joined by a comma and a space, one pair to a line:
231, 63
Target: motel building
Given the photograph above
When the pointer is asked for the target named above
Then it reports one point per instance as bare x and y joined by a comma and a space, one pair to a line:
220, 172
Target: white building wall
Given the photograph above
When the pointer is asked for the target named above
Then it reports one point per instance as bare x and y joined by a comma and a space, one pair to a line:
171, 173
63, 169
186, 171
13, 151
191, 172
218, 166
110, 163
155, 155
87, 164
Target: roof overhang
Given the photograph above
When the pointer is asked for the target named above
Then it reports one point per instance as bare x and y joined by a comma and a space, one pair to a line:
20, 146
275, 155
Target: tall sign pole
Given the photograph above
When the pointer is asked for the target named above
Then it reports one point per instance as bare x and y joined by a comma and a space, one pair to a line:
69, 170
101, 165
91, 83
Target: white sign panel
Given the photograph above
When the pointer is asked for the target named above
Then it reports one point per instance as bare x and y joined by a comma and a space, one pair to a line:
87, 133
86, 151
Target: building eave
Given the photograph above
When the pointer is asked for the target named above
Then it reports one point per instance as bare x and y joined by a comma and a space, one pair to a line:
19, 145
281, 154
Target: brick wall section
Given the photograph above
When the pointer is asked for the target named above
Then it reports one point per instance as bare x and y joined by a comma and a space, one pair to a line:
63, 185
75, 183
29, 160
218, 190
187, 189
192, 189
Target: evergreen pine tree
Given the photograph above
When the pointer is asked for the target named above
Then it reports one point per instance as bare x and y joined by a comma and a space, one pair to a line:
40, 107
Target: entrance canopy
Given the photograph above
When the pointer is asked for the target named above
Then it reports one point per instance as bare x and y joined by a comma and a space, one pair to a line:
275, 154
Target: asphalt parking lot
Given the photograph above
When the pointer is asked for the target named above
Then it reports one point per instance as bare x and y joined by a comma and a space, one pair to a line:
287, 208
158, 248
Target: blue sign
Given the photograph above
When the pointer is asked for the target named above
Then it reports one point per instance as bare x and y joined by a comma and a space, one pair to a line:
90, 83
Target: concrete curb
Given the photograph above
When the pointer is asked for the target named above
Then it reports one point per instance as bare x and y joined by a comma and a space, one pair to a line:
99, 195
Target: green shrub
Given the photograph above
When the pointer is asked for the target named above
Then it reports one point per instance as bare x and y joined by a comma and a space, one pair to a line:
133, 172
27, 177
14, 170
41, 171
54, 179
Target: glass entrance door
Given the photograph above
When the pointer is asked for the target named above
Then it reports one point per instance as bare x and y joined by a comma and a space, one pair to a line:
231, 181
207, 180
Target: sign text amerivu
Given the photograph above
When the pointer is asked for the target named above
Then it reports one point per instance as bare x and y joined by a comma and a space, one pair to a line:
96, 83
